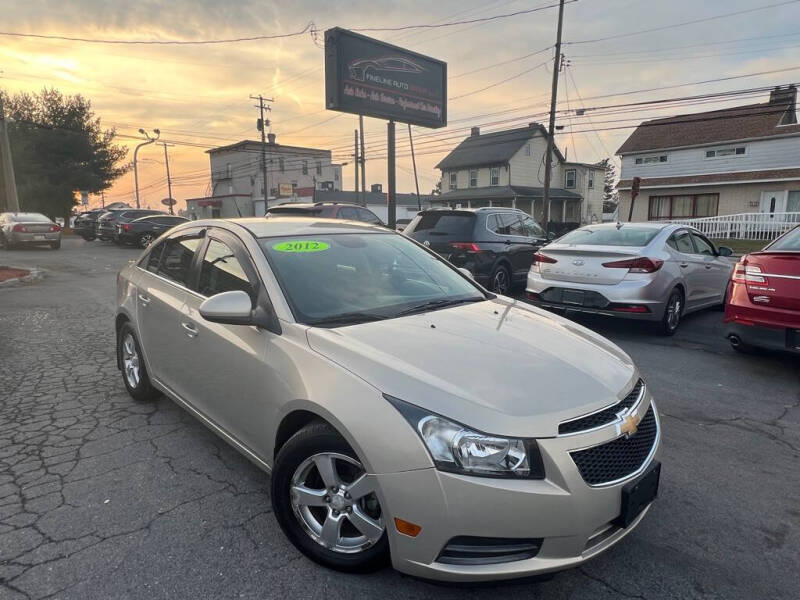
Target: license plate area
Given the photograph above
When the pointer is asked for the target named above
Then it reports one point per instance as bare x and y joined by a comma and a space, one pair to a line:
39, 237
573, 297
638, 494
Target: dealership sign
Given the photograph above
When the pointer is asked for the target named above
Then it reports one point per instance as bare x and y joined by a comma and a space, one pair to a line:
364, 76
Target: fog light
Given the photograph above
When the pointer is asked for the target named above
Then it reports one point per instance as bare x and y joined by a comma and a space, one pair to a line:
406, 528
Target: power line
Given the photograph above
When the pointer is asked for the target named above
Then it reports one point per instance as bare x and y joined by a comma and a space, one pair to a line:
501, 82
683, 24
307, 28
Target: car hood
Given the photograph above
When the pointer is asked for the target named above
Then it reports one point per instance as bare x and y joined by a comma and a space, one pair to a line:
498, 366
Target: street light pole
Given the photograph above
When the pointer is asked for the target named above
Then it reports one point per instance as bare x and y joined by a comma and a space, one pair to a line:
169, 181
135, 165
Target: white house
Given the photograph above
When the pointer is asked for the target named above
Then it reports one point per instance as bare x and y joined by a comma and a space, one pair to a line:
293, 173
506, 168
734, 160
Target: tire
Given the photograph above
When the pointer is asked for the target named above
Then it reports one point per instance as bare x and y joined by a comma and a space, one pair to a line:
673, 311
88, 237
134, 372
4, 243
56, 245
145, 239
296, 464
500, 280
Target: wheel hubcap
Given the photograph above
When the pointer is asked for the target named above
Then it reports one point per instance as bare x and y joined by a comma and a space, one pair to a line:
674, 312
147, 239
130, 361
334, 500
500, 282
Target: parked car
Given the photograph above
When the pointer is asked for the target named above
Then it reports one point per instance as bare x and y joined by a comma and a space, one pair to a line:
495, 244
23, 228
85, 224
649, 271
763, 307
363, 372
145, 230
108, 221
328, 210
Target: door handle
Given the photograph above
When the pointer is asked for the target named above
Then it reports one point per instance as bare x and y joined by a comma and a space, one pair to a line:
191, 329
684, 265
144, 299
708, 266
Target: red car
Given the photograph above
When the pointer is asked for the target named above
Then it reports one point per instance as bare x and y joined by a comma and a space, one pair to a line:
763, 305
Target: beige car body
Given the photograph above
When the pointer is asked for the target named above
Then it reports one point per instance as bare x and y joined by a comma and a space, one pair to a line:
498, 366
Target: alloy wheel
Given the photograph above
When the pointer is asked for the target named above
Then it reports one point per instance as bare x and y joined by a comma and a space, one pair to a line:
500, 282
130, 361
334, 500
674, 311
145, 240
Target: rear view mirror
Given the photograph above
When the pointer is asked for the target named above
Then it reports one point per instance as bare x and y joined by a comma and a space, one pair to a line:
724, 251
232, 308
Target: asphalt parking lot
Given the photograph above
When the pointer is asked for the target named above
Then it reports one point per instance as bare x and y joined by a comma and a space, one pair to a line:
101, 497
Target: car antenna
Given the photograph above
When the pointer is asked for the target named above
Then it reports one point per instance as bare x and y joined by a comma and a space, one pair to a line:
619, 225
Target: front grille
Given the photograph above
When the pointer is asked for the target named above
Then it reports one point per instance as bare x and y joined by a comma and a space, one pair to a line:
471, 550
619, 458
603, 417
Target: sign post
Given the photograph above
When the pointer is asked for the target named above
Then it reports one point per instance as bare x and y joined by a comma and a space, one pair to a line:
364, 76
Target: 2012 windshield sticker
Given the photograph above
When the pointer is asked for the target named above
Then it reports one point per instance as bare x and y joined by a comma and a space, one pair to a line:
301, 246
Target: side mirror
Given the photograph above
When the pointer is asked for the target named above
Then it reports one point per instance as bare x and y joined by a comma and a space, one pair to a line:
724, 251
466, 273
231, 308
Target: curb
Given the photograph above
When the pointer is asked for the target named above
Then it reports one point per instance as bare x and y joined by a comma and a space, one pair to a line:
32, 275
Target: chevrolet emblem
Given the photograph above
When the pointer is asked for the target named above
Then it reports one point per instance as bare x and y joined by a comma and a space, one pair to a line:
629, 425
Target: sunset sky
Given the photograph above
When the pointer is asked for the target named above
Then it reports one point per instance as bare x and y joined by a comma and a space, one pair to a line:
198, 95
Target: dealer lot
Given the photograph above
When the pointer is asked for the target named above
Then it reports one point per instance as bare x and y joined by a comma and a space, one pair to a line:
101, 497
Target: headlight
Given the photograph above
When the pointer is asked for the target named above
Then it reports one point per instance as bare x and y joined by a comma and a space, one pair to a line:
459, 449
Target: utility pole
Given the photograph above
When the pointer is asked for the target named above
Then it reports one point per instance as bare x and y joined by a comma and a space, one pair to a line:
391, 197
135, 164
169, 181
355, 163
262, 125
548, 164
102, 198
363, 163
414, 162
7, 164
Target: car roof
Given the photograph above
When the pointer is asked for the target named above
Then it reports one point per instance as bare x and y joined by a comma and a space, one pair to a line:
290, 225
312, 205
157, 215
476, 210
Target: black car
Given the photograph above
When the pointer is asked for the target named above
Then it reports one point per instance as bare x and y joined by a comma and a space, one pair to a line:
495, 244
145, 230
107, 222
86, 223
326, 210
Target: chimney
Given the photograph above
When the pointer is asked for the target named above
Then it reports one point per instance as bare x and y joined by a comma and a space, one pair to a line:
783, 97
271, 138
475, 131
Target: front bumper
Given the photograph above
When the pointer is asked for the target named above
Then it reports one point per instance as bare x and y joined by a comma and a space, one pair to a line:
574, 521
644, 291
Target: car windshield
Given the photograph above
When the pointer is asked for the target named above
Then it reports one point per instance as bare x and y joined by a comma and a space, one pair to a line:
338, 279
610, 236
30, 218
788, 243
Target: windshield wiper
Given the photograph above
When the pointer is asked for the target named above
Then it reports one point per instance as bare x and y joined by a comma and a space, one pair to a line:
346, 319
436, 304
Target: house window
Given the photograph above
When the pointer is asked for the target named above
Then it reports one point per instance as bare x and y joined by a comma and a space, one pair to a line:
336, 174
281, 165
319, 168
228, 170
473, 178
650, 160
683, 207
527, 149
495, 176
453, 181
723, 152
305, 167
569, 177
590, 183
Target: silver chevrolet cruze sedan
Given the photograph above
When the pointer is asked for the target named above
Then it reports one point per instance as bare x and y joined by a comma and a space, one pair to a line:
402, 410
649, 271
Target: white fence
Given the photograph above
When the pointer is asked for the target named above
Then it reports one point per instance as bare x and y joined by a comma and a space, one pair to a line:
744, 226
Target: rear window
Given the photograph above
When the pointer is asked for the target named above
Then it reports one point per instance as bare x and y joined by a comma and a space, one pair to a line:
30, 218
292, 210
610, 236
788, 243
444, 223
